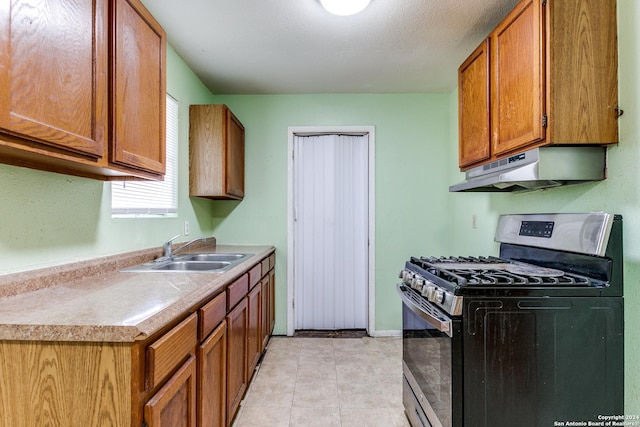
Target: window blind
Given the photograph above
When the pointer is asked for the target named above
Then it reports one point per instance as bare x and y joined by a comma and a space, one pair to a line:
156, 197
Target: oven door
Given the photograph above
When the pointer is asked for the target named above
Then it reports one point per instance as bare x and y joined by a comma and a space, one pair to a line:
432, 363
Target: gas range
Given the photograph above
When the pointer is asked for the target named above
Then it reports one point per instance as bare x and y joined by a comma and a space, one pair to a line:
489, 338
534, 261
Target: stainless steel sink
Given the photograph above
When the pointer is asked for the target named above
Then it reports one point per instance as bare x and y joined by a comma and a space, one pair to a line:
192, 266
214, 257
203, 263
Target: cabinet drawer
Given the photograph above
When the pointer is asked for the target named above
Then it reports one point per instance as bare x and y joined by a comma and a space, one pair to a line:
211, 315
237, 290
272, 261
168, 352
255, 274
265, 266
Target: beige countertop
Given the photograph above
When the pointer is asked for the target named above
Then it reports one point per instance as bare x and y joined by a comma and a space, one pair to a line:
94, 301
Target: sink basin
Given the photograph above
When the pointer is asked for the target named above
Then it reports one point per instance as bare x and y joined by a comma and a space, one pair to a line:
214, 257
204, 263
193, 266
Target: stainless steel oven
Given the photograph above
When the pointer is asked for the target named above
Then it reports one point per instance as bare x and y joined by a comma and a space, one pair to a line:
431, 347
529, 338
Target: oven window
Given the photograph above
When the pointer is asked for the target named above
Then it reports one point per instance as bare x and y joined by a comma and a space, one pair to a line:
427, 353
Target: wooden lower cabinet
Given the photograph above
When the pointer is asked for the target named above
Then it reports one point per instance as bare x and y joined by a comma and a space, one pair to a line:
265, 331
174, 405
212, 373
272, 301
268, 307
193, 373
65, 384
254, 335
237, 324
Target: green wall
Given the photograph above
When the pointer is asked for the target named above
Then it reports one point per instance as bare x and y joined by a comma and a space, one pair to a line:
411, 147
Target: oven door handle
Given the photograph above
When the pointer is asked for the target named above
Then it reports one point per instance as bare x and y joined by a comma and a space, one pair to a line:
435, 318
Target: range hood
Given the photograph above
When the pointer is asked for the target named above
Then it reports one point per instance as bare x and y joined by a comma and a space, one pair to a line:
538, 168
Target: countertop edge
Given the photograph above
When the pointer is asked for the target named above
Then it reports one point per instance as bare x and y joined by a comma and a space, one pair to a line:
76, 274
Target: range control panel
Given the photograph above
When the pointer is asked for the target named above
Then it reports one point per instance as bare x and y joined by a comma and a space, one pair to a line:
537, 228
586, 233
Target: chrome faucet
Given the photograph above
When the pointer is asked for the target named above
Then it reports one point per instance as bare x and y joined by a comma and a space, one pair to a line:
189, 243
168, 253
166, 248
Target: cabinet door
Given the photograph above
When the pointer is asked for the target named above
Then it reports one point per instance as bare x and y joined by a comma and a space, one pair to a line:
237, 321
51, 93
254, 338
517, 90
235, 157
473, 107
272, 300
138, 88
174, 405
212, 365
266, 312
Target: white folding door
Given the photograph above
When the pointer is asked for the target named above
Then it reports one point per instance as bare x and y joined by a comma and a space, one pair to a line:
330, 187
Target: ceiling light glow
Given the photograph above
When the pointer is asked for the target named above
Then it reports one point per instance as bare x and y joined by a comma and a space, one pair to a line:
344, 7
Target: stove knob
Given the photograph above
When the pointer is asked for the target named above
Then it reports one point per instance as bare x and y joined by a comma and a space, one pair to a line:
438, 297
427, 291
417, 284
402, 273
408, 278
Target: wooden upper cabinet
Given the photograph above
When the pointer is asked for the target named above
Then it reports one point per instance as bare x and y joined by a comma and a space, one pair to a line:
552, 81
51, 95
216, 153
82, 88
473, 107
138, 88
517, 93
582, 82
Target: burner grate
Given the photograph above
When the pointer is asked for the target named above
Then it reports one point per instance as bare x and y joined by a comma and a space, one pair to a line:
492, 271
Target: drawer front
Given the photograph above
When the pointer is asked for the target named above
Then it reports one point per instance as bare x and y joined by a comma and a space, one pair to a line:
211, 314
171, 350
255, 274
272, 261
237, 290
265, 266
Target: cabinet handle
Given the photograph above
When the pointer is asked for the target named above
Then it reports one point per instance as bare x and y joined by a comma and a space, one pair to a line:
619, 111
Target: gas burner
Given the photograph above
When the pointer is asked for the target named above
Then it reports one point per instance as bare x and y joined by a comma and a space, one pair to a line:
492, 271
462, 259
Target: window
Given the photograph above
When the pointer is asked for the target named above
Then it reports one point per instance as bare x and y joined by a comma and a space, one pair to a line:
141, 198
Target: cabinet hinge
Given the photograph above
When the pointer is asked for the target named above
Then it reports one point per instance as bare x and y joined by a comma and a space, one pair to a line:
544, 3
544, 120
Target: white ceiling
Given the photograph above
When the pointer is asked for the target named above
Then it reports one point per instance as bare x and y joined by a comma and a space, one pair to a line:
294, 46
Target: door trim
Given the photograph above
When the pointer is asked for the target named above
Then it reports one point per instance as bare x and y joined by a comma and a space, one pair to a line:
315, 130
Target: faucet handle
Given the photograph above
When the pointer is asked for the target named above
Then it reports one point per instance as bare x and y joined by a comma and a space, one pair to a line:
166, 246
172, 239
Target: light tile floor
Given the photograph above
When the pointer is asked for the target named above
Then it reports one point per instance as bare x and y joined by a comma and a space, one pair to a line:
307, 382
